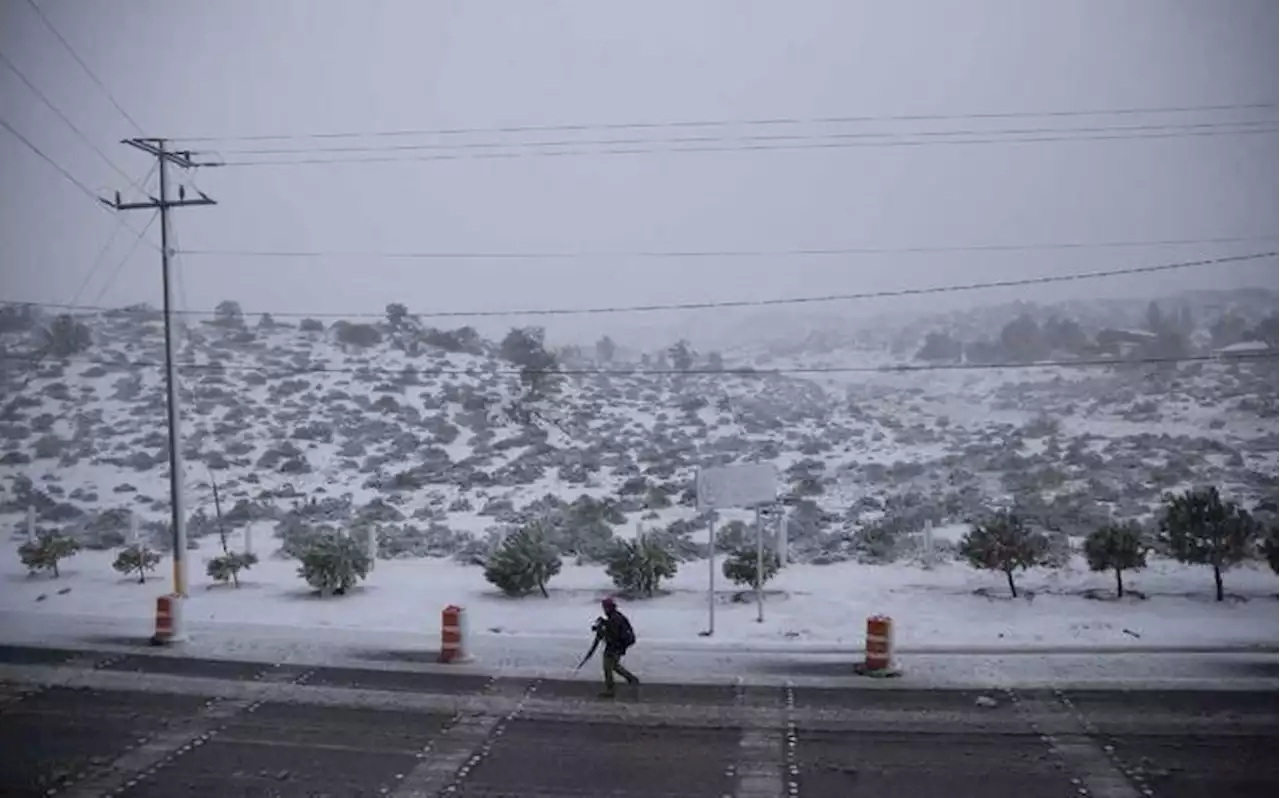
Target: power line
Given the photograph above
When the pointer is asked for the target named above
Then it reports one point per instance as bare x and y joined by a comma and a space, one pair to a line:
762, 146
785, 120
644, 372
138, 239
745, 303
708, 139
101, 258
722, 253
97, 202
70, 177
97, 260
74, 128
67, 46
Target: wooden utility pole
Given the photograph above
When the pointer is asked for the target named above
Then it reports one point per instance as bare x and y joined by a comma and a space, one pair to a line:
164, 203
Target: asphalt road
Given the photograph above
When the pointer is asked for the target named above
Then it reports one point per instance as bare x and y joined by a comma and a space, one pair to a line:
318, 737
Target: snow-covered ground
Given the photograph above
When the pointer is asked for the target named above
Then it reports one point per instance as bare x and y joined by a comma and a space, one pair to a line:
807, 606
421, 443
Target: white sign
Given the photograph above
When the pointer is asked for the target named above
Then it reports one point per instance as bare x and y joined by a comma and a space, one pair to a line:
737, 486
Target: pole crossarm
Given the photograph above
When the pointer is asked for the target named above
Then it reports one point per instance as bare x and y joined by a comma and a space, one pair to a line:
155, 147
155, 203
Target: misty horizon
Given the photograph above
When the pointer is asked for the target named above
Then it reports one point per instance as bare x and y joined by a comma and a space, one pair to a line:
781, 78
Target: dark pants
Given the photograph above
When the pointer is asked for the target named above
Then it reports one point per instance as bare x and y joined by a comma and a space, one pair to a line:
613, 664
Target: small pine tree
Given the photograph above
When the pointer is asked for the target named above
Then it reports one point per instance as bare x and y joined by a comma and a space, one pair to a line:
1116, 547
66, 336
333, 563
605, 349
231, 563
681, 356
44, 553
1198, 527
137, 559
637, 567
524, 561
740, 566
1004, 543
228, 566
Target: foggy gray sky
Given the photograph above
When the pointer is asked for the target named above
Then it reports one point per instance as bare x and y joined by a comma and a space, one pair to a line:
246, 67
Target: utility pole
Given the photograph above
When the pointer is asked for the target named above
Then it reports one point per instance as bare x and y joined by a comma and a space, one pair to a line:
181, 159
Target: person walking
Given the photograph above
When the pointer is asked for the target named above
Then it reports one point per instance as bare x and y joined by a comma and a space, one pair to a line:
617, 634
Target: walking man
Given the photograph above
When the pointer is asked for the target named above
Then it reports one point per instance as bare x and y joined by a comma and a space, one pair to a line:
615, 631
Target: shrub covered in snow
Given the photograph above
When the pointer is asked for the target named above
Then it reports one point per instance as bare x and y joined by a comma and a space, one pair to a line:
1041, 426
66, 336
637, 567
1268, 546
332, 562
408, 540
1117, 547
361, 335
525, 561
1004, 543
1198, 527
227, 567
309, 520
880, 541
106, 529
137, 559
581, 529
46, 551
740, 566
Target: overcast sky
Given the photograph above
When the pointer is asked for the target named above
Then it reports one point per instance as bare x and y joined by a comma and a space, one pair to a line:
235, 68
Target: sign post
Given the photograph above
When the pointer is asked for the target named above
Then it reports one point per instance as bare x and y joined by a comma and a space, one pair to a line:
740, 486
759, 567
711, 577
780, 536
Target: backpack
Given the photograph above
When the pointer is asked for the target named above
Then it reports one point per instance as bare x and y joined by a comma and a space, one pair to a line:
628, 635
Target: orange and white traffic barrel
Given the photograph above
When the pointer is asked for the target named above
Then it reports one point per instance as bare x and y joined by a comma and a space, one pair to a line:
879, 648
168, 620
453, 633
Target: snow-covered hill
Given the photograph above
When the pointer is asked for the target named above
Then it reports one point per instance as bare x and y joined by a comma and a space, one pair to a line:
437, 446
437, 451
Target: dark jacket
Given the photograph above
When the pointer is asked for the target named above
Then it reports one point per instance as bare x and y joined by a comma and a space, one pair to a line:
616, 632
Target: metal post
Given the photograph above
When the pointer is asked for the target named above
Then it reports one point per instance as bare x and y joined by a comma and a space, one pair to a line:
178, 520
928, 545
780, 539
759, 567
711, 583
31, 523
133, 529
248, 538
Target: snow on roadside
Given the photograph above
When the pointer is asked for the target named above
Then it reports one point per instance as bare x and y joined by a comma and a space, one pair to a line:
807, 604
